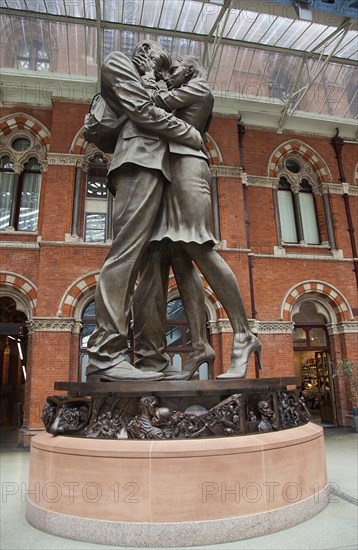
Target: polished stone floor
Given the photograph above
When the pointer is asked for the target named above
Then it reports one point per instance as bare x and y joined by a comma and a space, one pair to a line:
334, 528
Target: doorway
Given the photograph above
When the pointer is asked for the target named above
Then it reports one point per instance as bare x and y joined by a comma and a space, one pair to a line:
13, 356
313, 362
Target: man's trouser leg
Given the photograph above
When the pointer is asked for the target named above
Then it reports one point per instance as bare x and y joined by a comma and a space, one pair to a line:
138, 195
149, 309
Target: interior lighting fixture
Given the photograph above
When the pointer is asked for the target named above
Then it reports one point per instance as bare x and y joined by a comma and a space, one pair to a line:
302, 9
24, 370
20, 350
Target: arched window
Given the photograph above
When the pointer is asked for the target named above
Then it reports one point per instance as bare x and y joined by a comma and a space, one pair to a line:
177, 333
29, 44
7, 176
96, 202
178, 338
88, 326
296, 205
20, 193
88, 320
33, 54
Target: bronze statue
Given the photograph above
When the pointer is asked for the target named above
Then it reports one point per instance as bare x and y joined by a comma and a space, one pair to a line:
182, 234
177, 223
137, 175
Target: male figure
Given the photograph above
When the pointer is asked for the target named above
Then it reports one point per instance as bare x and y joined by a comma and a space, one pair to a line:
137, 176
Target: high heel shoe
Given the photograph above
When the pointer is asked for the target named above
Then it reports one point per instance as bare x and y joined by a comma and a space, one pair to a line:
240, 357
196, 358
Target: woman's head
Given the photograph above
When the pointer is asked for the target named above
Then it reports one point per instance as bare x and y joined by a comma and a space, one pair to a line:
182, 70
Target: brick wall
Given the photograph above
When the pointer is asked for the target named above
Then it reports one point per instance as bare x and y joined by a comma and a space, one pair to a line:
53, 265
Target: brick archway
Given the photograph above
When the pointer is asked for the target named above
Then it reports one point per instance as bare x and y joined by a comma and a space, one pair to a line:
21, 286
305, 288
25, 122
75, 293
212, 150
79, 143
214, 307
299, 148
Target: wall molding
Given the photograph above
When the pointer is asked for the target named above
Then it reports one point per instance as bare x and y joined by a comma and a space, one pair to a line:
65, 159
260, 181
53, 324
226, 171
348, 327
257, 327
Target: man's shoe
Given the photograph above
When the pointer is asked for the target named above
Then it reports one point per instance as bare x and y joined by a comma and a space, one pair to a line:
122, 371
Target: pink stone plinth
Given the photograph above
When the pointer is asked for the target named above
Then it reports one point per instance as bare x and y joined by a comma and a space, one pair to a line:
176, 493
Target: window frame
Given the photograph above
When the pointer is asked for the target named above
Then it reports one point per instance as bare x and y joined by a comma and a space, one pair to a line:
96, 205
19, 181
296, 182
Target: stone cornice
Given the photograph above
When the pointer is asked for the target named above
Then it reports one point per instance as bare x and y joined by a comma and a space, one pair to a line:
340, 189
258, 327
260, 181
226, 171
53, 324
65, 159
348, 327
272, 183
271, 327
219, 326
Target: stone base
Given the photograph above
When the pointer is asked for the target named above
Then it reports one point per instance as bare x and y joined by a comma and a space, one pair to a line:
176, 493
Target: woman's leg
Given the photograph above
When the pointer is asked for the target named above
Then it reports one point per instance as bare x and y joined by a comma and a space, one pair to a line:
192, 295
223, 282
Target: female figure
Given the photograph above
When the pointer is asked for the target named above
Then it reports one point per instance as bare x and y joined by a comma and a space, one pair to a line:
182, 235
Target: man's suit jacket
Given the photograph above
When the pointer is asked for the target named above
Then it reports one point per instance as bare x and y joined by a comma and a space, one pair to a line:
143, 139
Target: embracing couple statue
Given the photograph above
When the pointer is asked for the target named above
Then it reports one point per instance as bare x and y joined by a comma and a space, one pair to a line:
160, 180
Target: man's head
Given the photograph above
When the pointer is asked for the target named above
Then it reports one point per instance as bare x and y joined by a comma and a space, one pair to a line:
182, 70
159, 55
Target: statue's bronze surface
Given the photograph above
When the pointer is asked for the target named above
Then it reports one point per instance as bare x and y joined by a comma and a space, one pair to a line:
120, 415
161, 217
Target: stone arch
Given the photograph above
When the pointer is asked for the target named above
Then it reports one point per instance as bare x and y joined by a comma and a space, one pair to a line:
331, 296
24, 123
212, 150
213, 307
79, 143
21, 289
321, 305
296, 147
77, 295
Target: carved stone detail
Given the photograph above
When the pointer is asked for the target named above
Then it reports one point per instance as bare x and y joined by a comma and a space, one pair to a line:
219, 326
261, 181
258, 327
271, 327
65, 159
47, 324
348, 327
226, 171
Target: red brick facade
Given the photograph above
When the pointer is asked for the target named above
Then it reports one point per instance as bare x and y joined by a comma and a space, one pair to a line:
53, 275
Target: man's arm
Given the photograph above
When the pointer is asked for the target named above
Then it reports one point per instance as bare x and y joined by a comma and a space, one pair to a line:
122, 89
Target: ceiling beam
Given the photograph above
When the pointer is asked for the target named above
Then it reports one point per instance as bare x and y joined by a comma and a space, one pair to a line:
300, 88
207, 40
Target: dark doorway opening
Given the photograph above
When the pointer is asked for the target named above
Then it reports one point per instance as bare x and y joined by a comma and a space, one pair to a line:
13, 358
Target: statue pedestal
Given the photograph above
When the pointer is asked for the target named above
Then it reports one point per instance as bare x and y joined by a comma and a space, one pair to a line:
149, 493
